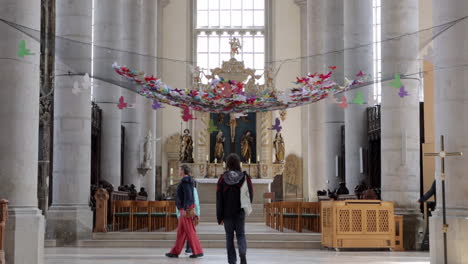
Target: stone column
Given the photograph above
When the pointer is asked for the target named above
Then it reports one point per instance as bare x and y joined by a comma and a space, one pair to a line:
107, 27
19, 116
400, 117
357, 32
333, 115
70, 217
131, 122
149, 9
317, 178
451, 114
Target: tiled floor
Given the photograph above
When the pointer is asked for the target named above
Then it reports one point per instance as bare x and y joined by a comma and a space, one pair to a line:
218, 256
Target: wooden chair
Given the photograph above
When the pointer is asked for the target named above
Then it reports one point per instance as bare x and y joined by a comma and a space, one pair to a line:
140, 216
171, 216
268, 214
289, 215
270, 196
158, 215
310, 216
3, 219
122, 215
275, 215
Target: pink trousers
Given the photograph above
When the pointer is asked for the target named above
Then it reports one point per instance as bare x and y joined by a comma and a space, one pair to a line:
186, 231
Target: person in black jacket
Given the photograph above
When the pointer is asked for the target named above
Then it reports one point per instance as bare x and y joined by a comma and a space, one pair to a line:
228, 207
185, 202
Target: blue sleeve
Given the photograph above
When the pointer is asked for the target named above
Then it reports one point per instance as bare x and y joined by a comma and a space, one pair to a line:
197, 201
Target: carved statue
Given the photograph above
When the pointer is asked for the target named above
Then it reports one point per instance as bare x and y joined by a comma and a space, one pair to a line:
246, 146
147, 150
186, 147
235, 46
278, 144
232, 125
219, 146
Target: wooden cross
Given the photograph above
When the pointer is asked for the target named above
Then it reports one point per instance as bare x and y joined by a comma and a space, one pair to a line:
442, 155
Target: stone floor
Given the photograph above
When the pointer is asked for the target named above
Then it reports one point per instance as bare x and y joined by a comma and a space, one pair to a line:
218, 256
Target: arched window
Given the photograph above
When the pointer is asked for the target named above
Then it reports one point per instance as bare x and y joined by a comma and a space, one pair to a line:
219, 20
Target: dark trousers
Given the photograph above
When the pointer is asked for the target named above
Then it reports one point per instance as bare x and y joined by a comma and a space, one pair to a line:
231, 225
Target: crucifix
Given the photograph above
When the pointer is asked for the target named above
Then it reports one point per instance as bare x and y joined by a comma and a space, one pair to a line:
442, 155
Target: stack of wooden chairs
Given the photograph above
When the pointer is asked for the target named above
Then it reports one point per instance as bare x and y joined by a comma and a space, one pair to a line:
3, 219
295, 216
150, 216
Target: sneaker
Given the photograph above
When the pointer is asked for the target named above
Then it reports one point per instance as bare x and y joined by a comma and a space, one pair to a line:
170, 255
197, 255
188, 252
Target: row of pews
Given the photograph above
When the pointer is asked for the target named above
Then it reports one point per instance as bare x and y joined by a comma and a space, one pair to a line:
3, 219
117, 213
295, 216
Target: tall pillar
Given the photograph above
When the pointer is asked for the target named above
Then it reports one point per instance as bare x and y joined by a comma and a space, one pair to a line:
357, 32
131, 122
19, 116
400, 117
70, 217
451, 116
107, 28
314, 45
333, 115
149, 11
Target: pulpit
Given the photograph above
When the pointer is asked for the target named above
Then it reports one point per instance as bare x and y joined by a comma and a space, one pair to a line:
207, 190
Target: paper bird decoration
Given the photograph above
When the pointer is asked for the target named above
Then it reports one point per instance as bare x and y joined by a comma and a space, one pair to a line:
85, 84
122, 104
239, 115
344, 102
396, 82
360, 74
403, 92
156, 105
22, 50
186, 114
276, 126
211, 127
359, 99
227, 91
332, 68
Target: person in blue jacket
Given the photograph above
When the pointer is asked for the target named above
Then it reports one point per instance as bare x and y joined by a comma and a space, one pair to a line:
188, 250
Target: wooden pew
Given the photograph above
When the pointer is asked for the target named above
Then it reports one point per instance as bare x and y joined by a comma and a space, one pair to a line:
310, 216
172, 216
3, 219
140, 215
289, 216
158, 215
122, 215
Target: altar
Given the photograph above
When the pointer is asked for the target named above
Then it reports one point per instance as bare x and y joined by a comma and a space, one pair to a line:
207, 189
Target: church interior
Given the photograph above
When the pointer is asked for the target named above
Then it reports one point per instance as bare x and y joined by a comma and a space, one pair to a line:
348, 117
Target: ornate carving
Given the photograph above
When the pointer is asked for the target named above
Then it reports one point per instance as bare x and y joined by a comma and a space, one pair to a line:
102, 197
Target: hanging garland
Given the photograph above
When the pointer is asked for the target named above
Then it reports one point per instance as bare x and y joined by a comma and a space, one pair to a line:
226, 96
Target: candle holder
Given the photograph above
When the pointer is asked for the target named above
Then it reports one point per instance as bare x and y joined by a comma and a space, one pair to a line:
258, 170
207, 170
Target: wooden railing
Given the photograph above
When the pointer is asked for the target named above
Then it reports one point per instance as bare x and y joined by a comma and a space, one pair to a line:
295, 216
3, 219
131, 215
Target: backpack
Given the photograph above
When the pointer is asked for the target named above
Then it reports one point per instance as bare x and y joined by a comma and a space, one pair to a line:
245, 197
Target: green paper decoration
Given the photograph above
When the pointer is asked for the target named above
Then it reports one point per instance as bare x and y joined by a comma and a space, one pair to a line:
211, 127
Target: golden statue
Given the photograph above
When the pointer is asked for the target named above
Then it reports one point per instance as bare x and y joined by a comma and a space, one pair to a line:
186, 147
246, 146
232, 125
278, 144
219, 147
